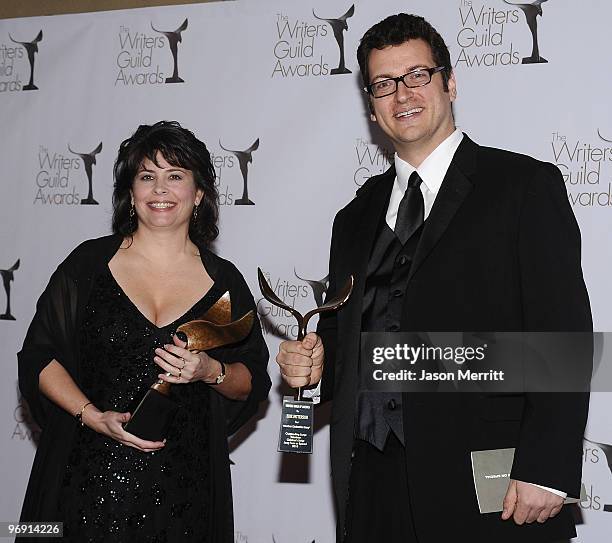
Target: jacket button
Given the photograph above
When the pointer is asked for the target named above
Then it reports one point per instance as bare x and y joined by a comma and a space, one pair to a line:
394, 328
397, 293
402, 260
391, 405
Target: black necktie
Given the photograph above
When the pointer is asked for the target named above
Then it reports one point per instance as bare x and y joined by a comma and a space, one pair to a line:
411, 210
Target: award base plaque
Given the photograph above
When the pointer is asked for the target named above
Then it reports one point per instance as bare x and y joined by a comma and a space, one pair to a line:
297, 419
153, 416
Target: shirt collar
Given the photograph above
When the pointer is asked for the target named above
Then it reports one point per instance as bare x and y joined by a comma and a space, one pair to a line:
433, 169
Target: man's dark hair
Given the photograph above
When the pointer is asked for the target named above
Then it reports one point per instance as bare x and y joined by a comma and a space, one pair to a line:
397, 29
180, 148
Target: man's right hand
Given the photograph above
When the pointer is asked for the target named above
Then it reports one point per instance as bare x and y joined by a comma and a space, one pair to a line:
301, 362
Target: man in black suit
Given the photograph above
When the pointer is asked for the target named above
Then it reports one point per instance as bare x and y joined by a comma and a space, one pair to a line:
453, 237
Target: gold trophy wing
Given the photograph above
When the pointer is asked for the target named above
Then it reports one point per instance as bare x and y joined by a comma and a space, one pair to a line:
215, 328
221, 311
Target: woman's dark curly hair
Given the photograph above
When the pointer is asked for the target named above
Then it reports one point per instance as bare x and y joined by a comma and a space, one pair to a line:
181, 149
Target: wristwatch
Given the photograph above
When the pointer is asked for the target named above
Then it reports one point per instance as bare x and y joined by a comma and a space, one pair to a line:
221, 377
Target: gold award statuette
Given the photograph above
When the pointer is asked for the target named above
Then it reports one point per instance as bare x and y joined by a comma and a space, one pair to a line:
155, 412
297, 416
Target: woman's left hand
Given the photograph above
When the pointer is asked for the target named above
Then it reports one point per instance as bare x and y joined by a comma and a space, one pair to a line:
182, 366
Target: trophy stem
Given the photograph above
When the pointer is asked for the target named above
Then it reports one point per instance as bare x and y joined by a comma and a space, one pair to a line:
302, 320
300, 337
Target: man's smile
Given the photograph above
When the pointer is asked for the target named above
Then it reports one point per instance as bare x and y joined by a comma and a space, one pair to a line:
408, 112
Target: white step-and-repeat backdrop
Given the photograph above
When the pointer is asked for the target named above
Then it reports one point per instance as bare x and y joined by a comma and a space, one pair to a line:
272, 87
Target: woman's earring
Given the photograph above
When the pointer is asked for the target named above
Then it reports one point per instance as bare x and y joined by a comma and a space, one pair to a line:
195, 212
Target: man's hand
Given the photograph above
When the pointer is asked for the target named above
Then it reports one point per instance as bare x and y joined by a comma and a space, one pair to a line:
528, 503
301, 362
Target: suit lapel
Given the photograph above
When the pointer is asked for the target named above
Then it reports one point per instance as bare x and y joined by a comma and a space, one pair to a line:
369, 213
354, 251
454, 190
372, 206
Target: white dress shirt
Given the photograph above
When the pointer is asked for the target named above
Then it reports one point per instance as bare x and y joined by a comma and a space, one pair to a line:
432, 171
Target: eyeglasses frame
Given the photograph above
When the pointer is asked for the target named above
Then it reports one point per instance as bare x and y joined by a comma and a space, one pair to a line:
430, 71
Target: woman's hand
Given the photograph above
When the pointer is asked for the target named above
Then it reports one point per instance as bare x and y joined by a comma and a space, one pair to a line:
57, 385
110, 424
183, 366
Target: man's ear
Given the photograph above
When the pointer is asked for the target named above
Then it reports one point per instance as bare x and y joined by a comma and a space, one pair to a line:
371, 108
452, 86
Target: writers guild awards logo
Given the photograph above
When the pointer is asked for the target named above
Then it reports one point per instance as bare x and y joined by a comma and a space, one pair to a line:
372, 159
31, 48
244, 159
25, 427
339, 26
89, 159
7, 277
174, 37
585, 165
319, 287
590, 501
531, 11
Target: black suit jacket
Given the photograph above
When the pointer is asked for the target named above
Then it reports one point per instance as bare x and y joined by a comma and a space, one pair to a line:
500, 251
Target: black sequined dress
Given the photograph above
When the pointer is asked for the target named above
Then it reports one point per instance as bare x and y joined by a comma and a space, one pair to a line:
111, 492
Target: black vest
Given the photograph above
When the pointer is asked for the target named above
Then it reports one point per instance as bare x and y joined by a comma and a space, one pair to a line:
383, 301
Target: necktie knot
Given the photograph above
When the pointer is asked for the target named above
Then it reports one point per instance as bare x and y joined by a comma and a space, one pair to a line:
414, 180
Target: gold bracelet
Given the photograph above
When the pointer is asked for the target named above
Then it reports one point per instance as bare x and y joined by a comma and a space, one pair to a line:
79, 415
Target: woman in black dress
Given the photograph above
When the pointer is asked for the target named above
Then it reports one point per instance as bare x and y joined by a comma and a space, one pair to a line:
104, 332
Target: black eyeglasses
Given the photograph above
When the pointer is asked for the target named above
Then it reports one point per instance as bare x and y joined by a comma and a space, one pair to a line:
416, 78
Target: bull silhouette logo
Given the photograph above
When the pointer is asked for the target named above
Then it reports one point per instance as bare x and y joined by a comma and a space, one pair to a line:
7, 277
244, 159
531, 11
319, 287
89, 159
174, 38
339, 25
31, 48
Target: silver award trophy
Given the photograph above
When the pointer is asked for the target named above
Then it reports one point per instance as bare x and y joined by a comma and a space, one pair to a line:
297, 413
